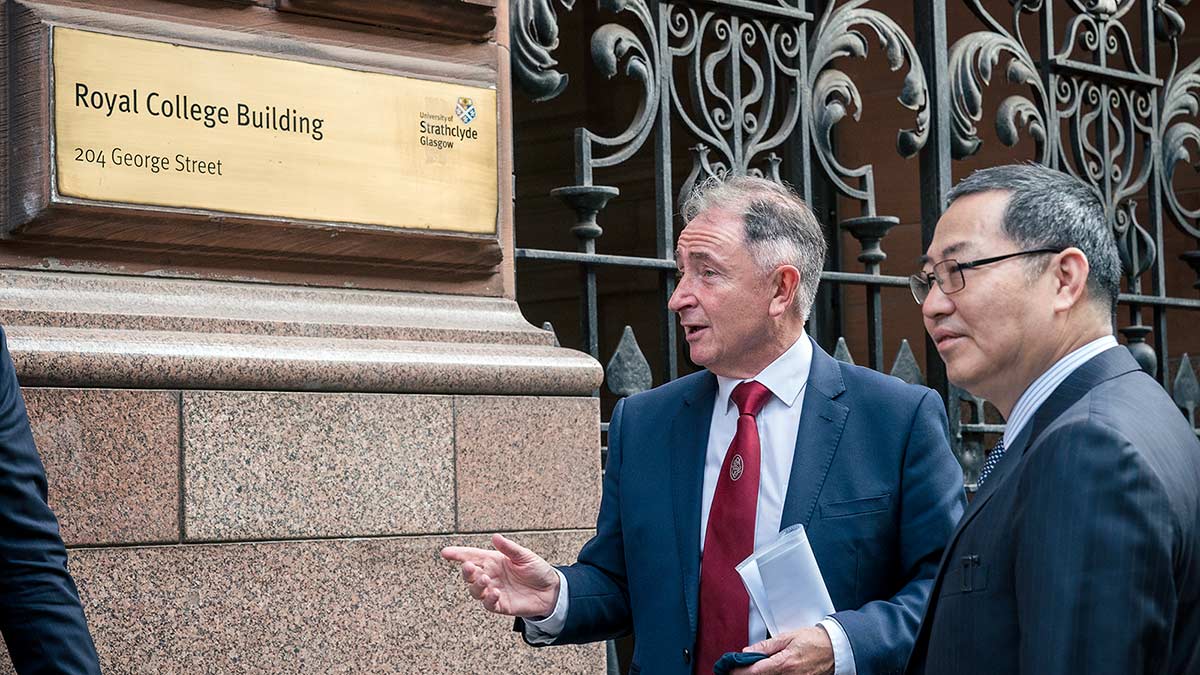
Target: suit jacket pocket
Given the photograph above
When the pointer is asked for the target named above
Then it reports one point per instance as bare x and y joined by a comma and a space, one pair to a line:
854, 507
966, 575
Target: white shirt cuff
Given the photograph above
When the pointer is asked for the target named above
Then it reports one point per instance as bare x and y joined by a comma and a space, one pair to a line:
843, 653
543, 631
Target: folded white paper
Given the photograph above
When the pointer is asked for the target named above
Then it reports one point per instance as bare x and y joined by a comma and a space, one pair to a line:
785, 583
748, 569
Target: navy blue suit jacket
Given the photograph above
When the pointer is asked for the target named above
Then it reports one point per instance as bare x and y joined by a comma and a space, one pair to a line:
873, 481
1081, 553
40, 615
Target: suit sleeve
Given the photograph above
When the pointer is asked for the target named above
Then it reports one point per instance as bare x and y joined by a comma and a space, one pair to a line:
1093, 570
882, 632
40, 613
598, 606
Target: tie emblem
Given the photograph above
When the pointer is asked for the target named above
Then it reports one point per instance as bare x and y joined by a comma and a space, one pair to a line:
736, 467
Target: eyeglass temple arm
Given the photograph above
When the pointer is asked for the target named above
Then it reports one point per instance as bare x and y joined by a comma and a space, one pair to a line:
988, 261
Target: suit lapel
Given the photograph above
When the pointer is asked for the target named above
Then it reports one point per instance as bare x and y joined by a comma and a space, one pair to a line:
1104, 366
689, 431
1100, 368
1012, 457
822, 420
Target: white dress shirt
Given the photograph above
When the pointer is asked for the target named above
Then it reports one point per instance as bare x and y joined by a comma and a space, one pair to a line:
1045, 384
778, 423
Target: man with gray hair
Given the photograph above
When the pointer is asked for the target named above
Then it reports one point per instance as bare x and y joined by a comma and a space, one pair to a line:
1081, 551
705, 470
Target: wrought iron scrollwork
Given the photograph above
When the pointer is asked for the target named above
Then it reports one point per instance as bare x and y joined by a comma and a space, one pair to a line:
1091, 112
1096, 108
735, 75
1180, 106
754, 86
972, 62
739, 78
612, 46
533, 35
834, 94
742, 121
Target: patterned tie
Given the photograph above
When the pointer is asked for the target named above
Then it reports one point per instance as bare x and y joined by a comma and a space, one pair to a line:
993, 459
729, 539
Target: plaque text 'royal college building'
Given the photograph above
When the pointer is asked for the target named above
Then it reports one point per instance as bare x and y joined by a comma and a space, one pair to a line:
150, 123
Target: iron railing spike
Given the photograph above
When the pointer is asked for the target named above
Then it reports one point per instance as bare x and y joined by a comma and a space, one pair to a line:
628, 372
549, 327
1186, 388
842, 352
906, 367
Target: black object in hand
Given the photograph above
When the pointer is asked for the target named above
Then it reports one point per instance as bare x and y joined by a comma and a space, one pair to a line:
732, 660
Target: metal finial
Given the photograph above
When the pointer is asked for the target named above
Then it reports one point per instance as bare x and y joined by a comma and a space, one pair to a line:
842, 352
906, 367
627, 371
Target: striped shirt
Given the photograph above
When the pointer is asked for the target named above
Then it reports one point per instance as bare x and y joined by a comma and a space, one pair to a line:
1037, 393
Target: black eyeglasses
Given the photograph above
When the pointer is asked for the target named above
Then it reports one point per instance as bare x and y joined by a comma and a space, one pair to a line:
949, 273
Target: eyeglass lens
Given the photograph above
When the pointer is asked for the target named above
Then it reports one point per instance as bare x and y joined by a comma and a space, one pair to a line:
947, 274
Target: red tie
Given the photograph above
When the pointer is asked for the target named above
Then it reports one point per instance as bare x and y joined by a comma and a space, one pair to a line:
729, 538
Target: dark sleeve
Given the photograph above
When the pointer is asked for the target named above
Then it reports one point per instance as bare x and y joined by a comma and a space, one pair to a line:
40, 615
1093, 570
598, 596
882, 632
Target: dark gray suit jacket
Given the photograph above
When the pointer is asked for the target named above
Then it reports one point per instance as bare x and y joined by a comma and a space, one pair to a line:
40, 615
1081, 553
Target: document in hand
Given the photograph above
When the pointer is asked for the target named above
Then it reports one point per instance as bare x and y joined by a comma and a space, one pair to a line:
785, 583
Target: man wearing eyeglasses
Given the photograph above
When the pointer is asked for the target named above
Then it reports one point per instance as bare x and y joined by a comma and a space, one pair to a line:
1079, 553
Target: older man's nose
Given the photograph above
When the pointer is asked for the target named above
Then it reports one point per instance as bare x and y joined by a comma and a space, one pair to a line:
682, 297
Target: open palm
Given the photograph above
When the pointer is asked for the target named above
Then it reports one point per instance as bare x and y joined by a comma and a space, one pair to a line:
510, 580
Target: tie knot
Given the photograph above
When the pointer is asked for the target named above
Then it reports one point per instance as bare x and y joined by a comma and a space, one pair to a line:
750, 397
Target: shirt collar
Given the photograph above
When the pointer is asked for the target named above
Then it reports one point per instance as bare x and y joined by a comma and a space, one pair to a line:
1036, 394
785, 377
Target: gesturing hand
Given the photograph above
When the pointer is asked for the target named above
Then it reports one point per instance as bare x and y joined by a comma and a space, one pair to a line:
511, 580
807, 651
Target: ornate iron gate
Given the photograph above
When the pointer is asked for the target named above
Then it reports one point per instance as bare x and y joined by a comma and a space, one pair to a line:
758, 86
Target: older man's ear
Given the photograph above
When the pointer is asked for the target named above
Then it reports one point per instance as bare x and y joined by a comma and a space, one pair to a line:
785, 284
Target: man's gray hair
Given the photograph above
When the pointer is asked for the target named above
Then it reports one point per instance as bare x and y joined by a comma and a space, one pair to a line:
779, 229
1051, 209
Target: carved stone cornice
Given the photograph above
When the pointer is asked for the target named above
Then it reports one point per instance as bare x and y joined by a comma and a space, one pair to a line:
467, 19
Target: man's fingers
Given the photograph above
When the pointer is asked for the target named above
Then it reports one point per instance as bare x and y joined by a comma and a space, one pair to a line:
463, 554
768, 646
468, 572
480, 587
491, 600
512, 550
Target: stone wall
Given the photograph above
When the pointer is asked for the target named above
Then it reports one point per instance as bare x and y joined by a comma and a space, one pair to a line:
219, 521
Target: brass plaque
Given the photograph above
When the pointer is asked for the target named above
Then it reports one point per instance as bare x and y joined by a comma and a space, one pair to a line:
150, 123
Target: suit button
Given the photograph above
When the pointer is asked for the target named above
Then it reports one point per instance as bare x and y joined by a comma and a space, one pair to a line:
687, 656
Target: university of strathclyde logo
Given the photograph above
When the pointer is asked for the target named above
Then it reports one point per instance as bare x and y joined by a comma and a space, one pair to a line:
465, 109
